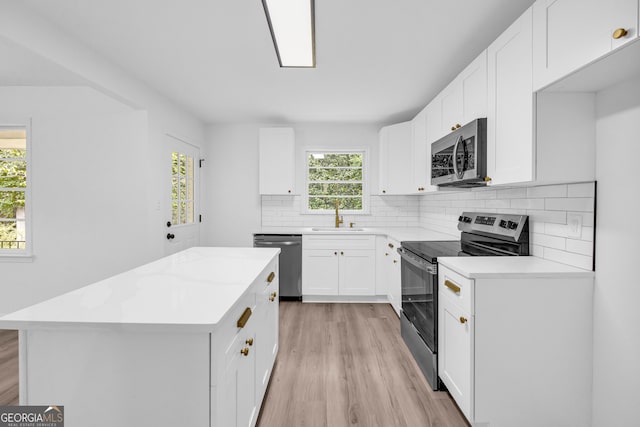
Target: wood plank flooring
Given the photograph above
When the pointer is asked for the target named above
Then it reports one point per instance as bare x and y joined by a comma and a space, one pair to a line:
346, 365
338, 365
8, 368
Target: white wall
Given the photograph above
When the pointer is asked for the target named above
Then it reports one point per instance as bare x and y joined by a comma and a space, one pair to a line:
231, 204
89, 191
617, 290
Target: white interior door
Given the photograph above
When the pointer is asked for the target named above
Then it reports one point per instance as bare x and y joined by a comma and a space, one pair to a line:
182, 162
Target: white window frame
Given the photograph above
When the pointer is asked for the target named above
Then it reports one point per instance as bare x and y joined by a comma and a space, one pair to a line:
27, 253
365, 181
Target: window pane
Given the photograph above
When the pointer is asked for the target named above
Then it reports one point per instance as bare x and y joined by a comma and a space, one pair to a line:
335, 174
174, 213
183, 165
174, 163
335, 159
12, 153
11, 203
183, 188
329, 203
13, 174
12, 235
318, 189
183, 212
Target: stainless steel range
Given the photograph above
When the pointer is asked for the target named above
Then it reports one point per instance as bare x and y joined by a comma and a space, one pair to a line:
483, 234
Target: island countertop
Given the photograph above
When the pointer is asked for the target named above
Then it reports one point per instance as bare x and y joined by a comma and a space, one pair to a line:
190, 291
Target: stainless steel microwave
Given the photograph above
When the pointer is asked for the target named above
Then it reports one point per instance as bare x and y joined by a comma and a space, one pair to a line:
460, 158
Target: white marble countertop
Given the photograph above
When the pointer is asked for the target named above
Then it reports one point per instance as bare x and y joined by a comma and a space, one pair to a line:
397, 233
191, 290
504, 267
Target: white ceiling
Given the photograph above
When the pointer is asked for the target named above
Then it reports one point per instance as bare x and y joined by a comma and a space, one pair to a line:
377, 60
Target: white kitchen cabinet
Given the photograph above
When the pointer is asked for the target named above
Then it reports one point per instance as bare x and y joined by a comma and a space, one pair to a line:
338, 265
514, 348
388, 271
569, 34
276, 148
266, 340
510, 143
463, 100
421, 153
396, 151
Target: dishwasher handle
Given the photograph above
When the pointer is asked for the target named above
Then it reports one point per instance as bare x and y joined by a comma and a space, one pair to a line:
275, 243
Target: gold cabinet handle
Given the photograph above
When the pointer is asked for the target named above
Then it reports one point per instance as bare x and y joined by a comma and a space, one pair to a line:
272, 276
391, 245
249, 341
620, 33
272, 297
463, 319
341, 253
453, 128
245, 351
243, 319
386, 254
420, 188
487, 179
449, 284
395, 261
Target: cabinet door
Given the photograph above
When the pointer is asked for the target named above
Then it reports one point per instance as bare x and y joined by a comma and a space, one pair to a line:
455, 353
277, 161
510, 114
569, 34
395, 287
421, 154
266, 342
237, 405
473, 80
320, 272
434, 126
451, 107
357, 272
395, 155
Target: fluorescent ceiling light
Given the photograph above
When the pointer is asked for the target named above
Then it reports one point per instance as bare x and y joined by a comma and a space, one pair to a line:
292, 30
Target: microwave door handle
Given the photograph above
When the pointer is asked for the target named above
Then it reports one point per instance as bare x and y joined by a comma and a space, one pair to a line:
455, 158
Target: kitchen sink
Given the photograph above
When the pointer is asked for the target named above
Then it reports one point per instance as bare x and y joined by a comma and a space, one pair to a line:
344, 229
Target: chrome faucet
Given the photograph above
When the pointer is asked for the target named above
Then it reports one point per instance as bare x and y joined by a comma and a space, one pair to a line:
339, 219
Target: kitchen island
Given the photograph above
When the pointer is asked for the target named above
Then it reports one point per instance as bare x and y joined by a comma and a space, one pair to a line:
189, 340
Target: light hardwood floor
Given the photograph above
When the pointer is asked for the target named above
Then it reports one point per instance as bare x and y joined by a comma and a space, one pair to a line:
8, 368
346, 365
338, 365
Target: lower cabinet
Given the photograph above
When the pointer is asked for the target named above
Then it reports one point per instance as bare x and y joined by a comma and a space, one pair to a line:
516, 350
241, 368
388, 271
338, 265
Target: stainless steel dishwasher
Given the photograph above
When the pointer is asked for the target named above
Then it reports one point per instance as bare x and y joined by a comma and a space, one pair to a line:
290, 261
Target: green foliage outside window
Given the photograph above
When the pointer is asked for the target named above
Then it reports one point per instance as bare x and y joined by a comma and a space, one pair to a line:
13, 183
335, 176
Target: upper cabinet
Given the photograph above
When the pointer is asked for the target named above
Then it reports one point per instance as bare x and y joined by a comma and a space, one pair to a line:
421, 153
510, 122
569, 34
277, 161
396, 174
462, 101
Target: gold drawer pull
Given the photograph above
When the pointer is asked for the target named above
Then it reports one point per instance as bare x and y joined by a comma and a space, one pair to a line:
272, 276
391, 245
273, 296
245, 351
245, 316
455, 288
249, 341
463, 319
620, 33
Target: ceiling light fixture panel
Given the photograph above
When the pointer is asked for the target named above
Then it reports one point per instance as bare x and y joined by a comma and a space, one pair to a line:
293, 31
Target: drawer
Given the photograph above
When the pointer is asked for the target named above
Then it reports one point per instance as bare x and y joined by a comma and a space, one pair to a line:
330, 241
457, 288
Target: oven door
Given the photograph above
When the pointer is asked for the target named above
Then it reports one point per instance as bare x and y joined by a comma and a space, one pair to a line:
419, 296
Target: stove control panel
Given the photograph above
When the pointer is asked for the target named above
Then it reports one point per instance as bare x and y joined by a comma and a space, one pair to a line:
502, 224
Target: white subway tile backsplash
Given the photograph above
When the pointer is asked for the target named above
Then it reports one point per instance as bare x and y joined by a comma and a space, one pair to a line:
547, 207
547, 191
583, 189
579, 204
580, 247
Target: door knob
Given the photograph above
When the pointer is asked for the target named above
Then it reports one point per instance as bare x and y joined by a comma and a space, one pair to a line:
463, 319
170, 236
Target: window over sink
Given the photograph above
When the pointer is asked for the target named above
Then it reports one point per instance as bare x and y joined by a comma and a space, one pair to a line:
335, 175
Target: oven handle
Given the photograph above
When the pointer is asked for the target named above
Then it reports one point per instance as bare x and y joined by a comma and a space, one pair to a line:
417, 262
